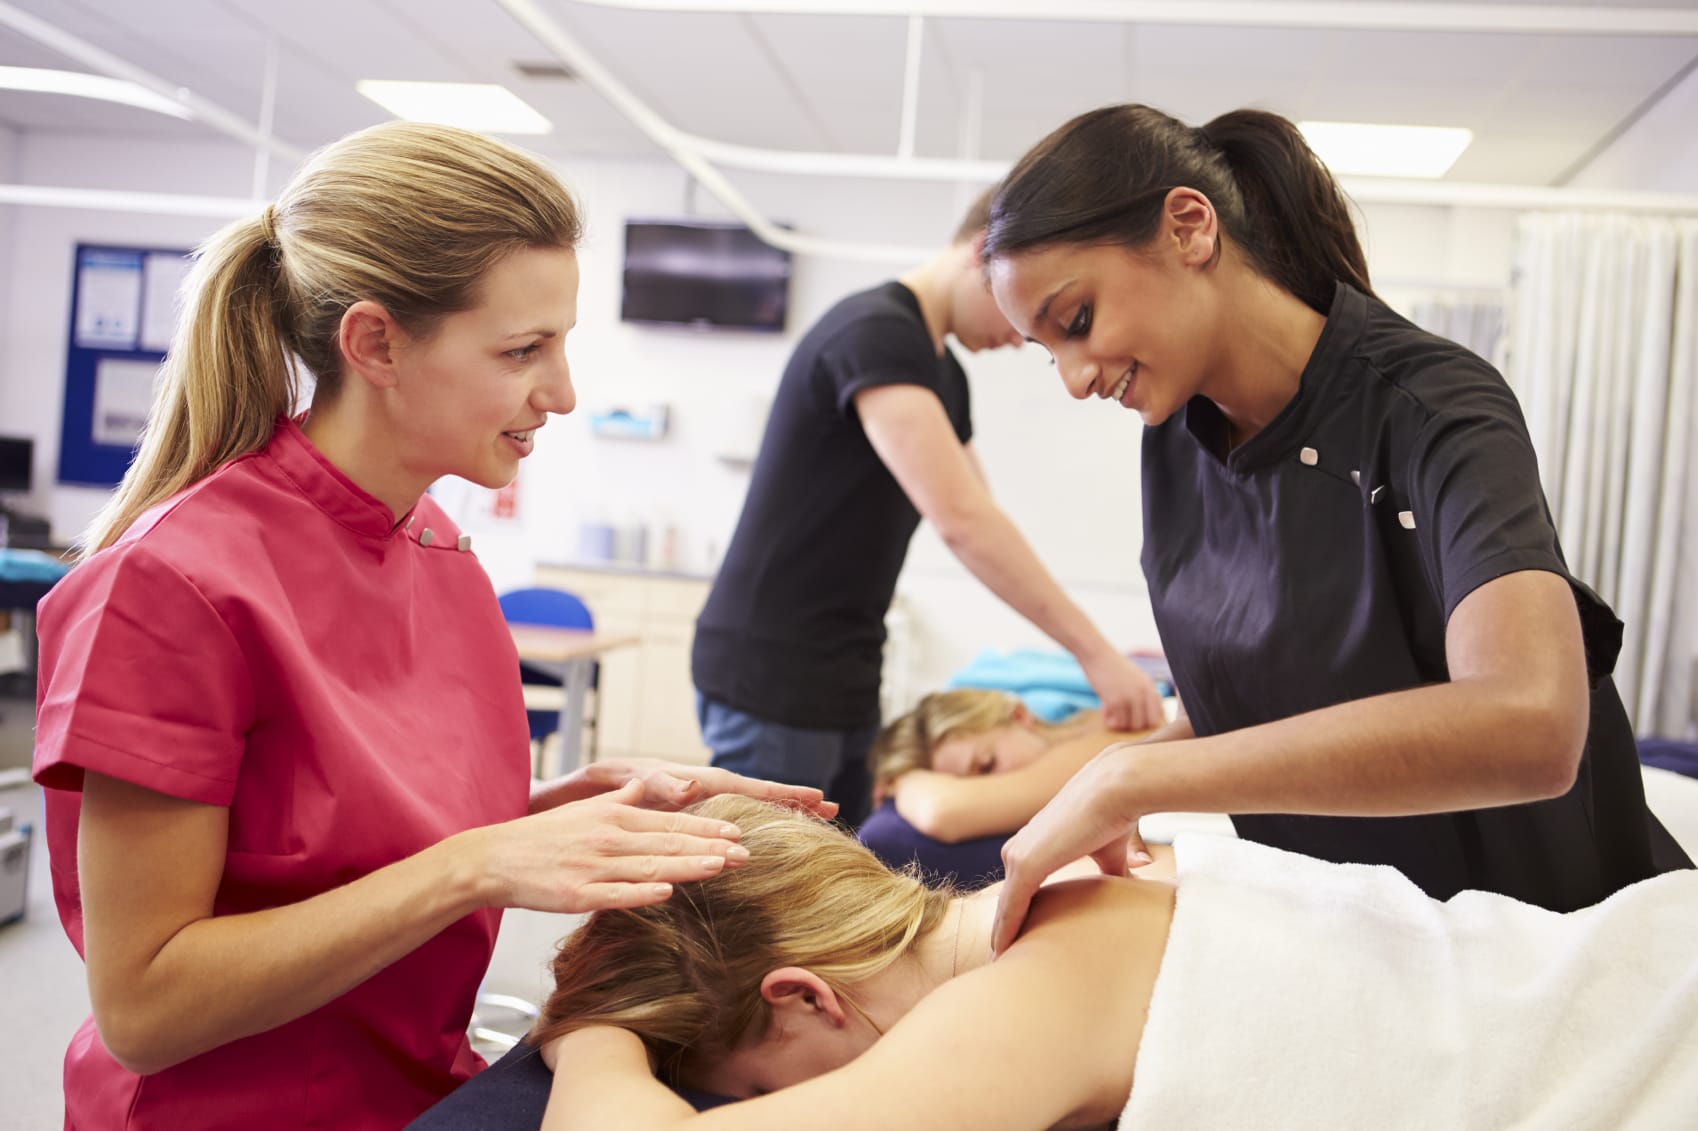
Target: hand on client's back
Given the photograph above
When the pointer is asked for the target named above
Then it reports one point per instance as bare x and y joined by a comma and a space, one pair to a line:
1093, 815
1130, 699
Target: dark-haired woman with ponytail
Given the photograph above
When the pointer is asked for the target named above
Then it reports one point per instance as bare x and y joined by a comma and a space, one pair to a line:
1381, 653
280, 729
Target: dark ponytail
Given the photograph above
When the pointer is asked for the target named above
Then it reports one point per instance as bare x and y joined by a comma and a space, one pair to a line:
1296, 225
1104, 176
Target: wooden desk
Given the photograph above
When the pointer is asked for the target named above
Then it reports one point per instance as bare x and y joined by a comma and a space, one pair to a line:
575, 650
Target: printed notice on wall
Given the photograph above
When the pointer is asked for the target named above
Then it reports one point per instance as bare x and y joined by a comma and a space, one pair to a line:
109, 292
162, 277
123, 392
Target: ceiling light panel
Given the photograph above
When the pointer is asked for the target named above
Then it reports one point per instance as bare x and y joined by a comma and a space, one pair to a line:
1363, 149
484, 107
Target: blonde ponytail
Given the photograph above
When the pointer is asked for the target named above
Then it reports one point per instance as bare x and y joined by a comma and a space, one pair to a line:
225, 381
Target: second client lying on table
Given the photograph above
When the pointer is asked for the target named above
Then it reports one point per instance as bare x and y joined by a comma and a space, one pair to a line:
958, 774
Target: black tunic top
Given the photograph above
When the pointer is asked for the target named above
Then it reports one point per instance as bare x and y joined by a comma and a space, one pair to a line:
793, 629
1320, 561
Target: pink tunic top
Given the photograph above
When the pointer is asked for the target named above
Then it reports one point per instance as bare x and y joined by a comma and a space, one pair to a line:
266, 642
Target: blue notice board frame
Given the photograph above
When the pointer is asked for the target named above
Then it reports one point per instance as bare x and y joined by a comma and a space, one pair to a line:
121, 319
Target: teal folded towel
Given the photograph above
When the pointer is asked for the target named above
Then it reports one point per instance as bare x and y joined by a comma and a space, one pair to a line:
30, 565
1051, 684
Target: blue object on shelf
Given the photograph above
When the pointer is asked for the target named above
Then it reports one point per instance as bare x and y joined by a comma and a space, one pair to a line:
623, 424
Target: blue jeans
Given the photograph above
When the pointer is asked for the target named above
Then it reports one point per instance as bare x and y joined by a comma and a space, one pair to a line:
831, 760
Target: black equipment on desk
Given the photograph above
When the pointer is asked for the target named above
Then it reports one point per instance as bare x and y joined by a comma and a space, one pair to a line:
17, 457
17, 460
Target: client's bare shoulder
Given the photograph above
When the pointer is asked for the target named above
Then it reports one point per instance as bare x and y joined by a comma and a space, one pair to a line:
1099, 943
1081, 907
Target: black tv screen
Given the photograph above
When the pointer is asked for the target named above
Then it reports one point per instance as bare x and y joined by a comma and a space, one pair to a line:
17, 453
703, 273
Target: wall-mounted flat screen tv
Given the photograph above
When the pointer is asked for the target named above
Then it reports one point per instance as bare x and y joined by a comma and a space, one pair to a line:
703, 273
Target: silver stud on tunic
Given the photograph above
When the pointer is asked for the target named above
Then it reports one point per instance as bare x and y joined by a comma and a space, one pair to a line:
465, 543
1406, 519
427, 536
1356, 478
1309, 456
1374, 495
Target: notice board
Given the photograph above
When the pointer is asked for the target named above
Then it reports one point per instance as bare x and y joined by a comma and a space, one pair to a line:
123, 310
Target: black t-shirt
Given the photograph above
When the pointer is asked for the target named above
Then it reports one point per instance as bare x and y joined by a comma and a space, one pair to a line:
793, 630
1319, 563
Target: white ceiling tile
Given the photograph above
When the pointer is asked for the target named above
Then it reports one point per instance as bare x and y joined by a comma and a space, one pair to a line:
850, 72
705, 73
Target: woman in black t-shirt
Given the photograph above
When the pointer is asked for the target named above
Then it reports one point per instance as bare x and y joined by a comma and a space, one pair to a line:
1382, 655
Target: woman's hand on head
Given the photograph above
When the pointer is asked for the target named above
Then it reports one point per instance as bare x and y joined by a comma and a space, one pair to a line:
1130, 699
603, 852
1095, 814
673, 785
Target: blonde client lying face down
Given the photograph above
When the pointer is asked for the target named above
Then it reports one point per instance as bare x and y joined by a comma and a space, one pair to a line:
829, 992
972, 763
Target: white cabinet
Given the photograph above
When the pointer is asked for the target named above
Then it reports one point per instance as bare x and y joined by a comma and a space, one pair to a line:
646, 702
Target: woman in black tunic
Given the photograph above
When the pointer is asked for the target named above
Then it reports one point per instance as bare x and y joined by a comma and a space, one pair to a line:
1381, 653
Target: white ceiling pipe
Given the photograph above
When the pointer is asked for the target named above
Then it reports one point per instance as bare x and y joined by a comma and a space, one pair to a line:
115, 200
872, 165
911, 88
662, 133
267, 116
971, 125
1557, 19
203, 111
972, 115
81, 84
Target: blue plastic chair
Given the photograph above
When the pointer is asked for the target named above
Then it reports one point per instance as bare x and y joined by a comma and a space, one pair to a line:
558, 609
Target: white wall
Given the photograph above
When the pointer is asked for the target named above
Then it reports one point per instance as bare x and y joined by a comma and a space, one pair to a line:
1067, 472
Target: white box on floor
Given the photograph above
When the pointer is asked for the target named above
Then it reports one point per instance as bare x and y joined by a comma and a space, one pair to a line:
14, 868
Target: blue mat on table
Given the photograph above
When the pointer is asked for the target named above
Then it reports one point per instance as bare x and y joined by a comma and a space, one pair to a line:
1669, 754
968, 864
510, 1095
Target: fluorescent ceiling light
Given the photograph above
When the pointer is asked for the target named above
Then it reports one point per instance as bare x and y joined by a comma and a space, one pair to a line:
1362, 149
80, 85
470, 105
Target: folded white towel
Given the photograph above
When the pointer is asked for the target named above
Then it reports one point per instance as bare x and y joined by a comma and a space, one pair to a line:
1300, 994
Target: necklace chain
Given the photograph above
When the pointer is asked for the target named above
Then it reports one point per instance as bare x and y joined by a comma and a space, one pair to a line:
960, 914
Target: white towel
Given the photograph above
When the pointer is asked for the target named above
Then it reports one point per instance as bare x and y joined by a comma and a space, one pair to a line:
1300, 994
